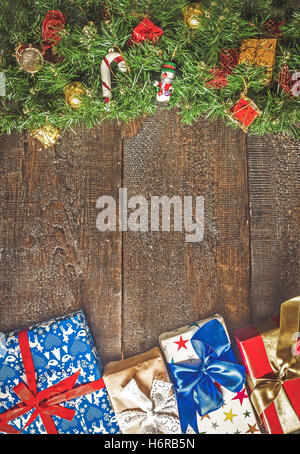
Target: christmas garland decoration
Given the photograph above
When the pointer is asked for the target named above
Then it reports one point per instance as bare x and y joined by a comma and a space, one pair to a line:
229, 59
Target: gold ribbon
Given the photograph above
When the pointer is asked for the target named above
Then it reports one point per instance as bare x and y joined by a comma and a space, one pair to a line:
286, 366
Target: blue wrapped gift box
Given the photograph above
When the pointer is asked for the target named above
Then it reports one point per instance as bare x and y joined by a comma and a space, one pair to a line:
59, 348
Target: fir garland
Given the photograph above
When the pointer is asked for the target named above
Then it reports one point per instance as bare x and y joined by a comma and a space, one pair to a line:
32, 101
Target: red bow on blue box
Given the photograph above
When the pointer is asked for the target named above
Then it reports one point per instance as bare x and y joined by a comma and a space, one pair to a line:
45, 403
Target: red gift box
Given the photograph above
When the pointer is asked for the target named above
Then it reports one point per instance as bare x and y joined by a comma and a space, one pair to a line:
146, 31
254, 347
244, 112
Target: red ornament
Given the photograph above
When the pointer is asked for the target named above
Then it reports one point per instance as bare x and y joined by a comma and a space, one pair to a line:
53, 23
228, 60
274, 28
220, 79
285, 78
146, 31
244, 112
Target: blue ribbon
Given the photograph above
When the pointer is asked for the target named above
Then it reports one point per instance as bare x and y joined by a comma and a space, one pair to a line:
194, 381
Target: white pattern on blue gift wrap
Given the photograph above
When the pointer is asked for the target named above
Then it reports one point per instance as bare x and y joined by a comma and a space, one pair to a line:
59, 348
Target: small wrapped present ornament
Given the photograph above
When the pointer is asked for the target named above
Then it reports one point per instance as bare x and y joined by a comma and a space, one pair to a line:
50, 381
272, 358
47, 135
192, 14
208, 381
244, 112
74, 93
141, 395
146, 31
260, 52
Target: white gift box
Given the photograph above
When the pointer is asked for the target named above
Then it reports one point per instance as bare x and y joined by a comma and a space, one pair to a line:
236, 415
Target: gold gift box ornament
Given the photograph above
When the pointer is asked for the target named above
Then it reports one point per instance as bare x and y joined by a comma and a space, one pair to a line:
48, 135
73, 94
259, 52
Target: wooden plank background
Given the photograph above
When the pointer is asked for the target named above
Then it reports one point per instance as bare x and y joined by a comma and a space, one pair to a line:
133, 286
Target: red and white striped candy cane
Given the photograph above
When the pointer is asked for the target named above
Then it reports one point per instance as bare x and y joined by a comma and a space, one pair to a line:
112, 56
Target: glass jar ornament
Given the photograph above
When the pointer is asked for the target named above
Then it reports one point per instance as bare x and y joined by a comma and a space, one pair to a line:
29, 58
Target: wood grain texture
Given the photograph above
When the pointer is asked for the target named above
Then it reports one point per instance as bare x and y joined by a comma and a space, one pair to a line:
53, 259
134, 286
167, 281
274, 186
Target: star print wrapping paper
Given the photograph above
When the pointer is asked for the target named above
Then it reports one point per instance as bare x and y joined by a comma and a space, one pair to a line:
235, 413
63, 358
270, 351
141, 394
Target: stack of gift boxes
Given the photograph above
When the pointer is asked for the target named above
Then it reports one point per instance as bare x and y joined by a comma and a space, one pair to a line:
51, 380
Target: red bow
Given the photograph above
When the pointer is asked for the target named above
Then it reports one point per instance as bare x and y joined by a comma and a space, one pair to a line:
228, 61
145, 31
52, 24
45, 403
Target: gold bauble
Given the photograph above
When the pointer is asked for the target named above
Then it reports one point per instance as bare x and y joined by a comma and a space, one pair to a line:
192, 14
48, 135
73, 94
29, 58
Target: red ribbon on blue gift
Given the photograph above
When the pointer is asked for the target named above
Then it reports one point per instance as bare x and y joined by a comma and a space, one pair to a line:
43, 403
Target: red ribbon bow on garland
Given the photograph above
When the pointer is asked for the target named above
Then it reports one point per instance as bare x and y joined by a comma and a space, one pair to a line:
228, 61
45, 403
52, 24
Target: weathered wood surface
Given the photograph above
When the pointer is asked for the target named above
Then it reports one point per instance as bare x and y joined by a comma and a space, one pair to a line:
53, 260
274, 182
169, 282
133, 286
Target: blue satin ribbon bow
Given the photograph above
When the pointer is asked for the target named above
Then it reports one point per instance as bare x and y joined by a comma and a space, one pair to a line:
194, 381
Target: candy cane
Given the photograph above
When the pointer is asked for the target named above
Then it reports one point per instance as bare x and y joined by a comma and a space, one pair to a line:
112, 56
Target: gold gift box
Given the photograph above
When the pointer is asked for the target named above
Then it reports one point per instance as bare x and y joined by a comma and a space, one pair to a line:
260, 52
144, 368
47, 135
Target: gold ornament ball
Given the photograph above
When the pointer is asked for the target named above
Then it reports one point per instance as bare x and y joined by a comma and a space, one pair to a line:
29, 58
73, 94
48, 135
192, 14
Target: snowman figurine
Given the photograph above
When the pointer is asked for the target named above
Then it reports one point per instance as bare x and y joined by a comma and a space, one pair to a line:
165, 87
